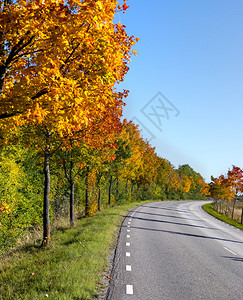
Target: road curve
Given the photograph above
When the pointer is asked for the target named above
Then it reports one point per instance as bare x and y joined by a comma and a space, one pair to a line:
173, 250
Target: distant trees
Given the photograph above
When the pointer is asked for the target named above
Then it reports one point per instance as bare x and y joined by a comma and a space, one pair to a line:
227, 188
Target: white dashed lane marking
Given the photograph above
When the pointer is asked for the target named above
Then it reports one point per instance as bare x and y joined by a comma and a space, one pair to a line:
230, 251
128, 268
129, 289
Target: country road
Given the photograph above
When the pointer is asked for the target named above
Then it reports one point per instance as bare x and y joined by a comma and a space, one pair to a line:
173, 250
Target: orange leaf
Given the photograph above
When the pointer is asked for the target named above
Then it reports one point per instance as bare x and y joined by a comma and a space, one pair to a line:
125, 6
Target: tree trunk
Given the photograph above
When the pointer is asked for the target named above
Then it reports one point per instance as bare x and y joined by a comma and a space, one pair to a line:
2, 77
241, 216
46, 217
99, 200
3, 67
99, 192
71, 191
132, 188
71, 202
126, 187
109, 196
87, 193
117, 187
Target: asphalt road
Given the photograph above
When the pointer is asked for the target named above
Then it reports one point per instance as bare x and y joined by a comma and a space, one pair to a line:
173, 250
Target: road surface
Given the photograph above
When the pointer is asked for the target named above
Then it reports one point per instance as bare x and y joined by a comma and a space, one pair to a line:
173, 250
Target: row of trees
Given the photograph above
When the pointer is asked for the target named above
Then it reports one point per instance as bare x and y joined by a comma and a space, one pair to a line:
85, 179
227, 187
59, 63
61, 134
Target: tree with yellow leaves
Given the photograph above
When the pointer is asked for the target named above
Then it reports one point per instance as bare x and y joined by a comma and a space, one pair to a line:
61, 58
59, 62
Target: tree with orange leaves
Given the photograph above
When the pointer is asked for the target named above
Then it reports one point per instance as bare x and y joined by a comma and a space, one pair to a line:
235, 179
59, 62
60, 58
220, 188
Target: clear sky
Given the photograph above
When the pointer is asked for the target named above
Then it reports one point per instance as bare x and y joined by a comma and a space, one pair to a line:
191, 52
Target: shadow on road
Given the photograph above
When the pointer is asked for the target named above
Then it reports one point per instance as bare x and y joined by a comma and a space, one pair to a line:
187, 234
160, 215
175, 210
174, 223
240, 259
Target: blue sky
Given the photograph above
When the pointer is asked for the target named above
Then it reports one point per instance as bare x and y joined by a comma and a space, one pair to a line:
192, 53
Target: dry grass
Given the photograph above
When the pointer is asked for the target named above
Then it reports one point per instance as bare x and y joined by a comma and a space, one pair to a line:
210, 209
238, 211
226, 209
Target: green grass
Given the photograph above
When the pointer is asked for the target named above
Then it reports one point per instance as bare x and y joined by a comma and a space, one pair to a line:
71, 268
209, 209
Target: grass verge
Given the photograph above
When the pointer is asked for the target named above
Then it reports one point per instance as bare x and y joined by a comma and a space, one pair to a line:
71, 268
209, 209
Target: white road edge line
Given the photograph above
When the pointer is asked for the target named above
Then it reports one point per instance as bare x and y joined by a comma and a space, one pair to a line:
129, 289
230, 251
128, 268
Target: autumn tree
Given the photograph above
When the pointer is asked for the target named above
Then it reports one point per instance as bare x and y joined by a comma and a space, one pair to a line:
220, 189
59, 62
122, 153
131, 134
227, 187
72, 168
51, 51
197, 184
20, 203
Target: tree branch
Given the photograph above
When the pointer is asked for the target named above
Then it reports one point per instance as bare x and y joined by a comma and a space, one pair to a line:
68, 58
26, 53
17, 48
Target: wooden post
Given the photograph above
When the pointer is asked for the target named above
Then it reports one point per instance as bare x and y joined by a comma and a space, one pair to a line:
234, 201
